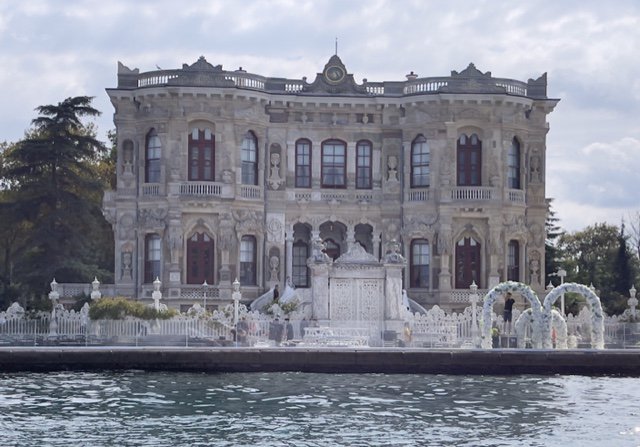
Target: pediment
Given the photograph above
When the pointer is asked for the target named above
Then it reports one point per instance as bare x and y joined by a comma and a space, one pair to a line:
357, 255
334, 79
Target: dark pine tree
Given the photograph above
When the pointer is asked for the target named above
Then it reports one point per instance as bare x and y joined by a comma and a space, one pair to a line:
57, 190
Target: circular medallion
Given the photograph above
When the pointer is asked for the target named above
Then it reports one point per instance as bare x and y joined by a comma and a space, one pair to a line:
334, 74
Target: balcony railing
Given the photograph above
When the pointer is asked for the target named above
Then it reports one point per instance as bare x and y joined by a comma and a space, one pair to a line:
341, 196
202, 189
418, 195
473, 193
151, 189
515, 196
250, 192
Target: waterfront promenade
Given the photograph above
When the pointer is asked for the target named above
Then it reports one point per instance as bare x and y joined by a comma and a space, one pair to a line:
324, 360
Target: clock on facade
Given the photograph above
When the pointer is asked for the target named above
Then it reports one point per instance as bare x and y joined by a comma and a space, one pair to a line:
334, 74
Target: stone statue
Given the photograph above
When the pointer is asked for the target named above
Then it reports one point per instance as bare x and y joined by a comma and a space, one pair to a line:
317, 251
126, 265
274, 179
535, 169
392, 164
274, 263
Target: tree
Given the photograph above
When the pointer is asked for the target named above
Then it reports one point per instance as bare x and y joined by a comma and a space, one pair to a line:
623, 265
552, 252
54, 188
592, 256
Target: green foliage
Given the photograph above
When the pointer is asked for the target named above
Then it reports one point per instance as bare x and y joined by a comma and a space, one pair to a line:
599, 255
552, 253
119, 308
52, 184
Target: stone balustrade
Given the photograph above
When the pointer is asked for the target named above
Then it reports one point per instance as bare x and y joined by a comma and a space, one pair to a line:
216, 77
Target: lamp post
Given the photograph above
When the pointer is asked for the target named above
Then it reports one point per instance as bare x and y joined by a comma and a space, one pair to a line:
561, 273
204, 286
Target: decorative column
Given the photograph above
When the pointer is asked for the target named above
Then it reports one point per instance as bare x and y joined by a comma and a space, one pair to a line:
474, 297
289, 268
351, 236
95, 293
156, 295
633, 303
175, 244
375, 240
319, 264
236, 296
444, 248
394, 262
54, 295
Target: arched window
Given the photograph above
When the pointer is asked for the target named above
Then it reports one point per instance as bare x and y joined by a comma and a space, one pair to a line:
153, 256
300, 273
467, 263
152, 158
334, 162
332, 249
513, 165
420, 162
201, 155
303, 164
200, 259
363, 165
469, 160
420, 259
248, 269
249, 156
513, 261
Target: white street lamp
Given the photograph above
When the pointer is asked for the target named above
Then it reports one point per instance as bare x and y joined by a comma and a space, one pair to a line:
561, 273
204, 286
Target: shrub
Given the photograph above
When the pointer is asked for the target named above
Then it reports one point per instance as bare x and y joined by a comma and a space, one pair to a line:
119, 308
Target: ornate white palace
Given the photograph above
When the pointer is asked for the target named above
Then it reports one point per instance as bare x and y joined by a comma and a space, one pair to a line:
226, 174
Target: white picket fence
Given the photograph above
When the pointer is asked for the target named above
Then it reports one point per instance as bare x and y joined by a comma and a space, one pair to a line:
434, 329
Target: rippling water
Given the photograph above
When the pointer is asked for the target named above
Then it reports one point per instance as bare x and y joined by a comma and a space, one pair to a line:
138, 408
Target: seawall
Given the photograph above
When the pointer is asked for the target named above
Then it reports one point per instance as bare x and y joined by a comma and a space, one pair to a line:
323, 360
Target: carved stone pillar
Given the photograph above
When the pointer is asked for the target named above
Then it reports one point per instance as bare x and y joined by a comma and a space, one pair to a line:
288, 276
320, 290
351, 236
375, 240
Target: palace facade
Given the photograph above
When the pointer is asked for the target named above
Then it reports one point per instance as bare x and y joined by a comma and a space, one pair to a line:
226, 174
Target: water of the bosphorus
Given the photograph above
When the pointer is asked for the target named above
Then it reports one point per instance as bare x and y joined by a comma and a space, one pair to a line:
136, 408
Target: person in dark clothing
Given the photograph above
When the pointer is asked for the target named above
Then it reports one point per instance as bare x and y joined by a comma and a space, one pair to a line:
276, 294
507, 316
289, 329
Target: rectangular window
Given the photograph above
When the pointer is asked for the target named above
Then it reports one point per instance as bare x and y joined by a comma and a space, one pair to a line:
153, 253
201, 155
249, 156
303, 164
513, 261
152, 158
333, 164
363, 165
419, 272
300, 274
420, 163
248, 261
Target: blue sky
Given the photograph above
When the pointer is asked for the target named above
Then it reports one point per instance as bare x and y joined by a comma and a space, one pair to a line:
50, 50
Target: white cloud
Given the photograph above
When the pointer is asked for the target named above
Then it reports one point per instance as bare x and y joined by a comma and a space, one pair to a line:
51, 49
